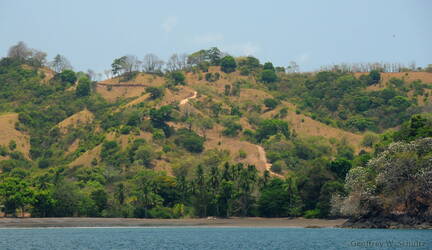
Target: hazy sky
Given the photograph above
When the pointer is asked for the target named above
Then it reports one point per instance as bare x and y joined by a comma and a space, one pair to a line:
313, 33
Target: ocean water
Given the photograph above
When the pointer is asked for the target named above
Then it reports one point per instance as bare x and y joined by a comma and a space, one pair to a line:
213, 238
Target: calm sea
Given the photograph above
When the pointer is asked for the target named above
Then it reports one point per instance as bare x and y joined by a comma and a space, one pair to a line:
213, 238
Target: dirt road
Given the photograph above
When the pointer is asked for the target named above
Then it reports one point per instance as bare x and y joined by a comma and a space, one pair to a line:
263, 157
184, 101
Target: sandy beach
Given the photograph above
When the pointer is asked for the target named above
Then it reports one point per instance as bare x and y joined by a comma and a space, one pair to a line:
193, 222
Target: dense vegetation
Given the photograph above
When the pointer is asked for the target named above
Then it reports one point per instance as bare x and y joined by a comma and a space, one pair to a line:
322, 177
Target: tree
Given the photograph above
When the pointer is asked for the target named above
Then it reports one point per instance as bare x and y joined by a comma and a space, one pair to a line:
145, 193
201, 195
67, 76
126, 65
83, 88
228, 64
14, 194
60, 63
20, 52
145, 155
279, 198
375, 77
395, 182
340, 167
268, 66
268, 76
292, 67
214, 55
177, 77
270, 103
160, 116
248, 65
152, 64
117, 65
155, 92
189, 140
271, 127
177, 62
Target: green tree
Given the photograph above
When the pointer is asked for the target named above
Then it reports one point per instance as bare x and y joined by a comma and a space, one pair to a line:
200, 193
155, 92
83, 88
268, 76
271, 127
228, 64
14, 194
145, 193
375, 77
268, 66
189, 140
270, 103
177, 77
67, 76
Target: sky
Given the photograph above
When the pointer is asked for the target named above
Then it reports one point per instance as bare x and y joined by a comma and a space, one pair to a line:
312, 33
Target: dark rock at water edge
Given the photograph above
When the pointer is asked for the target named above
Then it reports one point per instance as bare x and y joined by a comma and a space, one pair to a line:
390, 222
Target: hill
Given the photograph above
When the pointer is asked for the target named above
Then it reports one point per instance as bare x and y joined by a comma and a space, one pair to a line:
12, 138
217, 137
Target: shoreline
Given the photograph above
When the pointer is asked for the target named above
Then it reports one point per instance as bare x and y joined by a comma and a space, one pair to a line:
80, 222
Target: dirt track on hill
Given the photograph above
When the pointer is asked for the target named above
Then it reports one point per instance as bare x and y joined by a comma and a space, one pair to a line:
184, 101
263, 157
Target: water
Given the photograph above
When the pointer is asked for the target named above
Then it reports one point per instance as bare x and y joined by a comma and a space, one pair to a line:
213, 238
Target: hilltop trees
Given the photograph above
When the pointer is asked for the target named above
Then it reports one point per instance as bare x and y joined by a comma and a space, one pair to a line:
375, 77
152, 64
228, 64
83, 88
268, 74
248, 65
23, 54
60, 63
126, 65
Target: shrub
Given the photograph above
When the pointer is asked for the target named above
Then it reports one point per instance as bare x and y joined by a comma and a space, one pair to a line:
124, 130
310, 214
242, 154
12, 145
177, 78
228, 64
268, 76
271, 103
155, 92
189, 140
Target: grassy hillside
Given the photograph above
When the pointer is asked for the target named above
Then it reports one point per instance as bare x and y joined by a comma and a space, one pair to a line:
216, 138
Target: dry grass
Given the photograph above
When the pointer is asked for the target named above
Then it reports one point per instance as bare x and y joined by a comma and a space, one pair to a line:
82, 117
136, 101
306, 126
73, 147
408, 77
216, 141
9, 133
113, 93
112, 89
49, 74
171, 97
87, 157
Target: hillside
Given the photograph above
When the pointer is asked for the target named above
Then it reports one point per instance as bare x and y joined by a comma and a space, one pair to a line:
12, 138
217, 137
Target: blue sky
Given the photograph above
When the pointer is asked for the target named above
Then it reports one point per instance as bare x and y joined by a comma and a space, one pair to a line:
312, 33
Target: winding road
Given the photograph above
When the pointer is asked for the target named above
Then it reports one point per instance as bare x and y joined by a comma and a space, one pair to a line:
184, 101
263, 157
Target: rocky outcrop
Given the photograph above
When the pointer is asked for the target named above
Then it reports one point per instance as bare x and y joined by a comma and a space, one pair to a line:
401, 221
